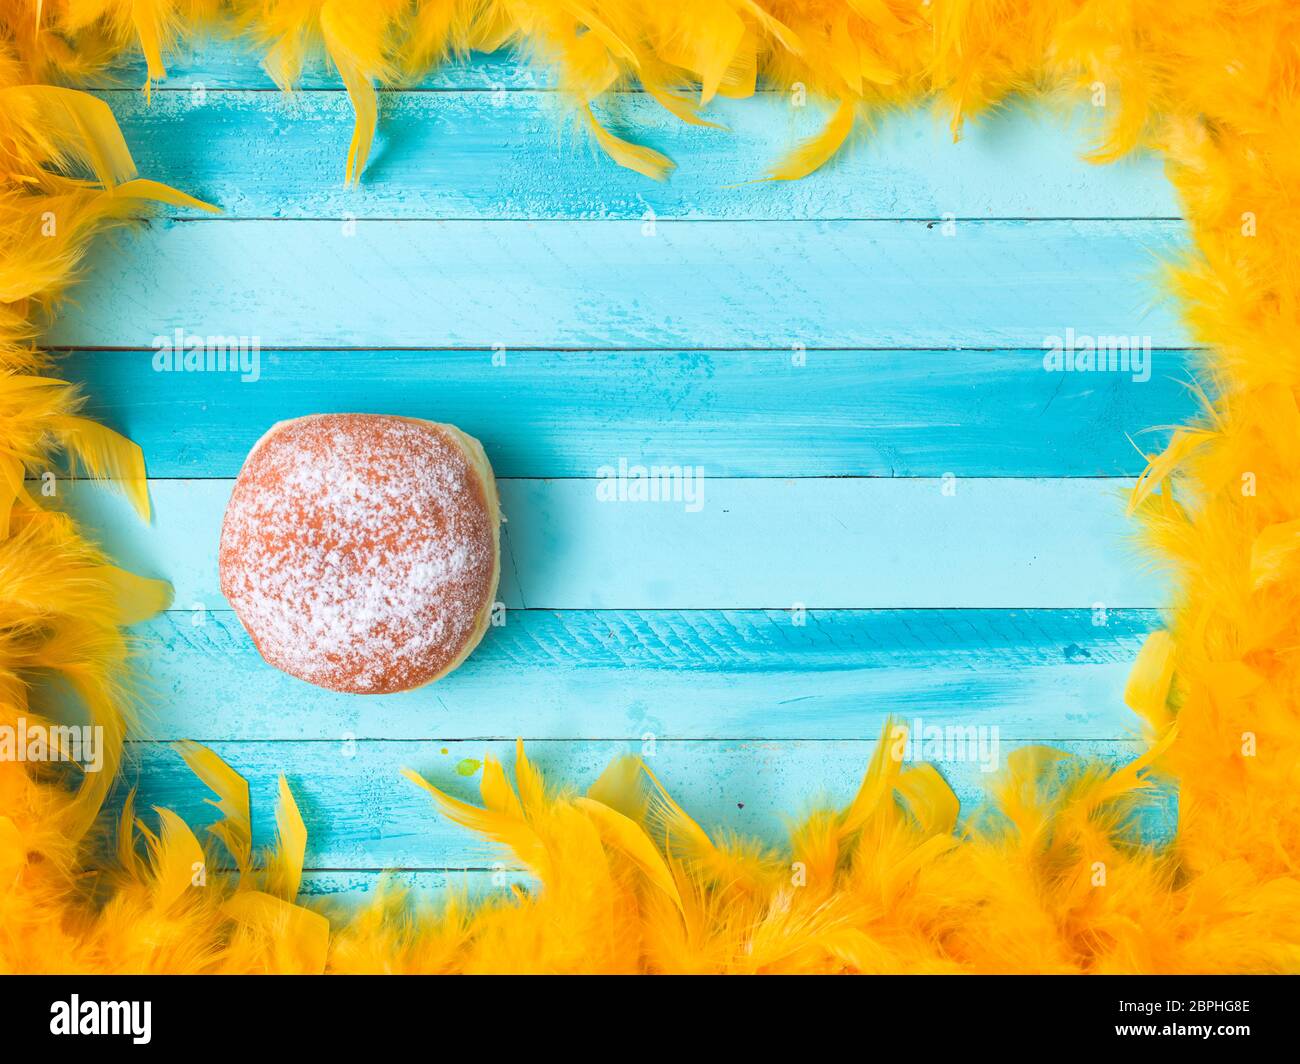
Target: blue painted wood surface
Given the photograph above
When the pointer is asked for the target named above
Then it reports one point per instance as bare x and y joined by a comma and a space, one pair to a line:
483, 284
844, 542
218, 63
697, 674
475, 154
363, 814
736, 413
1016, 600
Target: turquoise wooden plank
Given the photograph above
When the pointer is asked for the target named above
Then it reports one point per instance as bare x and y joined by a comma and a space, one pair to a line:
701, 675
360, 813
604, 284
219, 63
517, 155
827, 543
348, 888
737, 413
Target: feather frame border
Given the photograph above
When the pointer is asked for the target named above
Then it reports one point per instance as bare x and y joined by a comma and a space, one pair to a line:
894, 882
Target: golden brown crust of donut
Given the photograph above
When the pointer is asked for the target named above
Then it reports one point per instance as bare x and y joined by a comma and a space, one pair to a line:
361, 551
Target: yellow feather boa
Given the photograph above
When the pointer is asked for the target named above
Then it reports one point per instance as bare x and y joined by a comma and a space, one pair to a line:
628, 881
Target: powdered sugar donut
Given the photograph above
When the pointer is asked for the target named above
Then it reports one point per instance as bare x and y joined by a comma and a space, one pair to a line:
361, 551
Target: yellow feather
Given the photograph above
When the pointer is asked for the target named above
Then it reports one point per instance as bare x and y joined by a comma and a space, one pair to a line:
128, 860
878, 782
815, 153
104, 453
785, 37
503, 828
619, 786
1022, 789
684, 840
296, 940
176, 859
1183, 444
929, 799
1273, 552
235, 829
11, 490
136, 598
636, 157
67, 129
497, 793
366, 105
626, 836
1133, 775
284, 868
150, 19
532, 789
354, 38
1147, 691
144, 189
708, 47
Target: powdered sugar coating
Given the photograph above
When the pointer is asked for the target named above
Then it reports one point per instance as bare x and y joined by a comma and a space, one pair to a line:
359, 551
